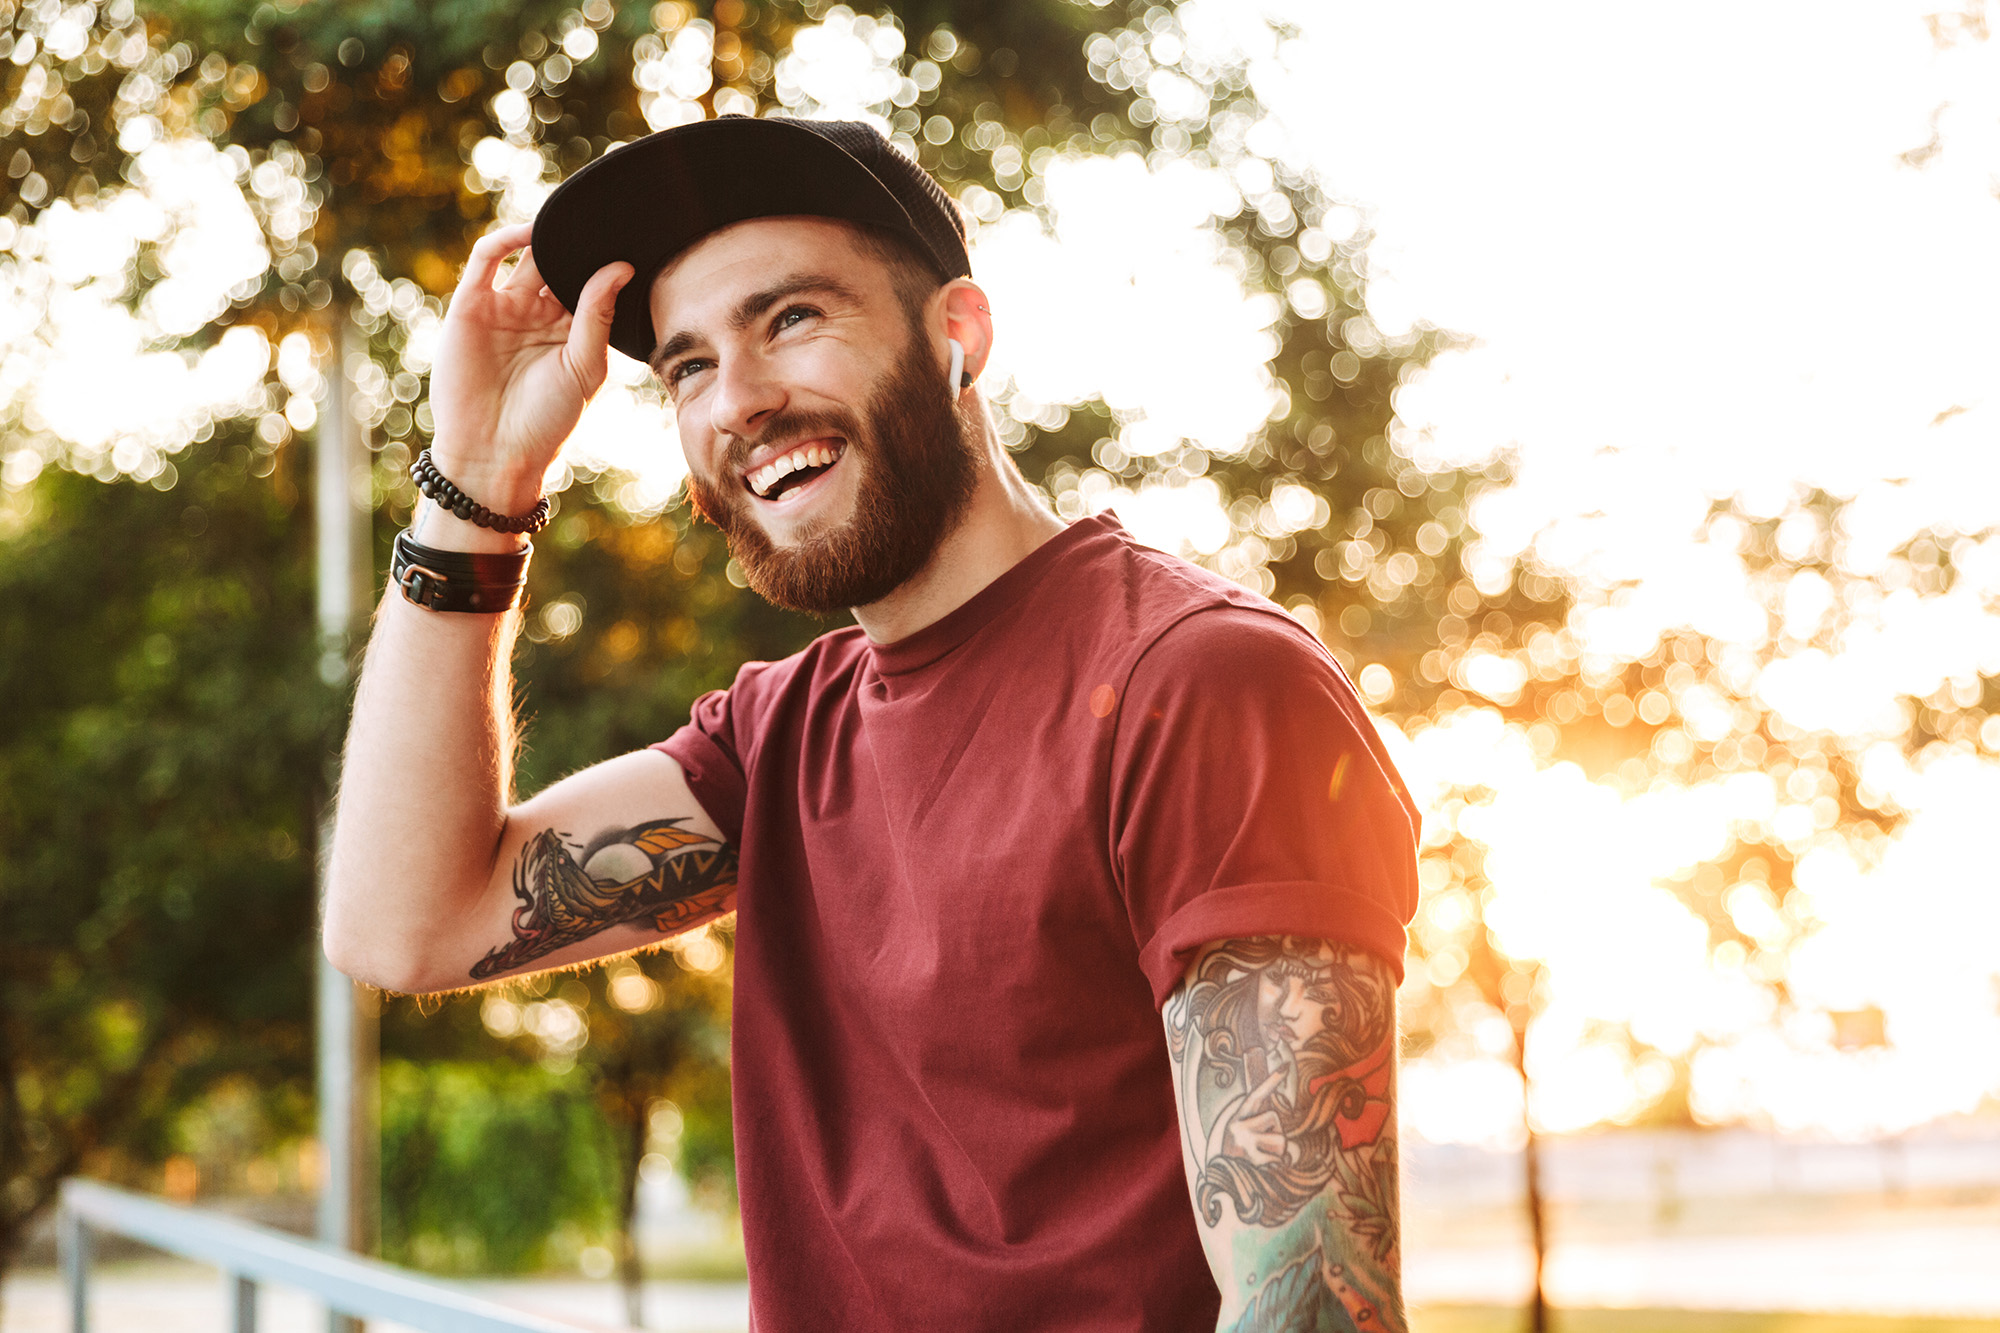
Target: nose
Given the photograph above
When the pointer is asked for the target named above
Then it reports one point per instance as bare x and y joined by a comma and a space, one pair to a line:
745, 396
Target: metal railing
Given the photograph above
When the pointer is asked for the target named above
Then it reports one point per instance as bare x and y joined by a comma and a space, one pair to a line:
249, 1255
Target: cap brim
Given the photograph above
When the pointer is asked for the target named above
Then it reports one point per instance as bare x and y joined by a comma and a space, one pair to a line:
645, 202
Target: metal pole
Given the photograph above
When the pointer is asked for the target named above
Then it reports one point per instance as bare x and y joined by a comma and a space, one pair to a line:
349, 1029
241, 1293
73, 1239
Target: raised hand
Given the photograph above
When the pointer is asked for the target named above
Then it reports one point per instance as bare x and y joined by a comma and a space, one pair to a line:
514, 371
1255, 1133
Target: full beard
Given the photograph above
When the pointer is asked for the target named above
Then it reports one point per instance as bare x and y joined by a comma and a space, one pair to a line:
917, 473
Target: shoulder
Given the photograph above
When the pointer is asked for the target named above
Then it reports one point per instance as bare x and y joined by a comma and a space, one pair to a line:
762, 687
832, 654
1160, 611
1162, 582
1243, 644
1235, 676
1190, 623
1240, 671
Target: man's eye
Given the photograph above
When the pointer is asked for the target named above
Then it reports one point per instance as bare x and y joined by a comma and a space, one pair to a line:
791, 316
682, 370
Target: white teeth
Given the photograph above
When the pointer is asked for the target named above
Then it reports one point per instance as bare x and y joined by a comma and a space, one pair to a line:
764, 478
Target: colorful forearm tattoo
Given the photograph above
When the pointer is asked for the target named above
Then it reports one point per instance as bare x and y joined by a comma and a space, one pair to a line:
657, 873
1284, 1052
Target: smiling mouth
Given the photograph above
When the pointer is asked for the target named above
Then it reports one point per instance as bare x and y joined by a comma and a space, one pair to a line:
785, 474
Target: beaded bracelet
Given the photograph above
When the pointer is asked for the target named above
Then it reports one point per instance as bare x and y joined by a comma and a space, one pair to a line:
435, 486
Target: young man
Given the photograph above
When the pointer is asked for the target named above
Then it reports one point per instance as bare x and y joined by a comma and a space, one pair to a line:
1070, 881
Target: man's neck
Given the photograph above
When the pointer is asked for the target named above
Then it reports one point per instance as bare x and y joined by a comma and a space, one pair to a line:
1005, 520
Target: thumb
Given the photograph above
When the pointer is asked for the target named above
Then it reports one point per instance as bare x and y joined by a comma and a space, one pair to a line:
584, 352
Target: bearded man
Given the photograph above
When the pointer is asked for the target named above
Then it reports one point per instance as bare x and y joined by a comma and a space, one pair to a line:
1049, 786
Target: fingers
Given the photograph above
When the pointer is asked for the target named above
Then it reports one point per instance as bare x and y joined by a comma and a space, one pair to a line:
590, 328
489, 252
525, 277
1258, 1140
1262, 1092
1269, 1147
1263, 1137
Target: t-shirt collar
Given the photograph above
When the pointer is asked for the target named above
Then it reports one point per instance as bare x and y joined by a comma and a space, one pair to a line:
916, 651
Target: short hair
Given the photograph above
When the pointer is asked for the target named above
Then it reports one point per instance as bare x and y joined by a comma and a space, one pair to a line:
913, 276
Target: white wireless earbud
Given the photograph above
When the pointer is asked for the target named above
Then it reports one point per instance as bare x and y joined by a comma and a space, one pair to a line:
956, 375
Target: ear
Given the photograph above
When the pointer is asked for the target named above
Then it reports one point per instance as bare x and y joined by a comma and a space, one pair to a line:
969, 323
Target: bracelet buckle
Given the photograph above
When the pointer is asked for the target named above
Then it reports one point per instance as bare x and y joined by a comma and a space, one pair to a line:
423, 586
457, 580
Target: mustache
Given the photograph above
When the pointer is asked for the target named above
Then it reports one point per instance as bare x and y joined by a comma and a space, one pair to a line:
787, 424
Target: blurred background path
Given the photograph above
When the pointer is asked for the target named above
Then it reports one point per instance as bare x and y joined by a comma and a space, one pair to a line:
1642, 1220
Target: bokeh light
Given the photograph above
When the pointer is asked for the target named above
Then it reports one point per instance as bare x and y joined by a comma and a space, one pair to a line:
1735, 350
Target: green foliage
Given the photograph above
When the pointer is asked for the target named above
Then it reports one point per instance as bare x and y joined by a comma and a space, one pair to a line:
650, 1063
492, 1166
375, 108
660, 624
248, 1137
377, 105
161, 761
159, 758
708, 1143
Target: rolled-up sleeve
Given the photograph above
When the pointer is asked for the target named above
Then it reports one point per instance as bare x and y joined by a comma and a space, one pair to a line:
1251, 795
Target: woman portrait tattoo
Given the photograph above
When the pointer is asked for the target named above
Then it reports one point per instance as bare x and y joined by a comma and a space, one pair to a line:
658, 873
1284, 1050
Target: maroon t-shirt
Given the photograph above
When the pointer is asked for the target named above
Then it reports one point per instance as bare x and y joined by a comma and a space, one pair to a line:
973, 864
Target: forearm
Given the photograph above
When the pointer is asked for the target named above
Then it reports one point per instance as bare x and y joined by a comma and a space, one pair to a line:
426, 778
1274, 1277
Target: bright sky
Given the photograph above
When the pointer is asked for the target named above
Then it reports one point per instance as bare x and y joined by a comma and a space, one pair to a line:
1696, 266
1683, 233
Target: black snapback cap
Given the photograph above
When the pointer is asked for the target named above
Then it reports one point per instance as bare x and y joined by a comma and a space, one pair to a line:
648, 200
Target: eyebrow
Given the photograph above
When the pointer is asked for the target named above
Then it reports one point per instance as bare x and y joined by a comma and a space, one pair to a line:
751, 307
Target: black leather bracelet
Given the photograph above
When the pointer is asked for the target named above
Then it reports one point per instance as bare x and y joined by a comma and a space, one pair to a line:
438, 488
475, 581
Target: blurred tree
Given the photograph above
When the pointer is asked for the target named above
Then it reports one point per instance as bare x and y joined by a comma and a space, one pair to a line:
492, 1166
160, 761
649, 1031
376, 140
1689, 709
656, 1032
362, 137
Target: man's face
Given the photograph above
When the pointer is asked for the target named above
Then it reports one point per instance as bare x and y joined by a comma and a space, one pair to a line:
821, 435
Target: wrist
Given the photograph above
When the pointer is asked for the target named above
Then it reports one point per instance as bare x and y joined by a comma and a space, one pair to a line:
434, 525
451, 513
502, 488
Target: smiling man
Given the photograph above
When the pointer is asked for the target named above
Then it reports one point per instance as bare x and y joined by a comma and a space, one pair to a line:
1070, 880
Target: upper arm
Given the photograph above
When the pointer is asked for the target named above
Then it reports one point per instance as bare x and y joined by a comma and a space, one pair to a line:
1250, 795
1283, 1050
611, 858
